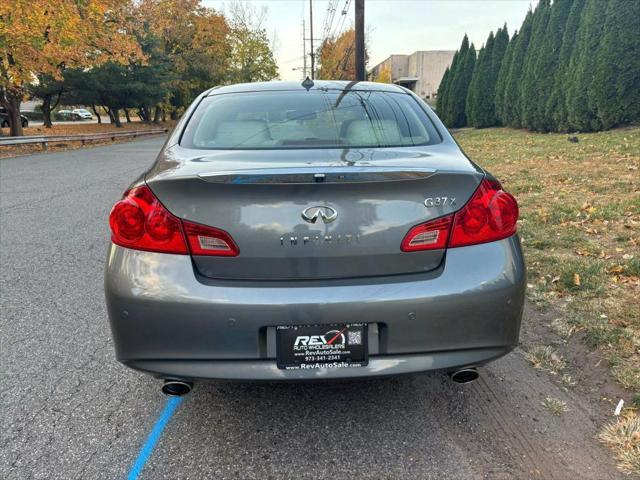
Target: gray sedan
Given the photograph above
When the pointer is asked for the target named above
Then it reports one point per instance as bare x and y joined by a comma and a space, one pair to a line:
312, 231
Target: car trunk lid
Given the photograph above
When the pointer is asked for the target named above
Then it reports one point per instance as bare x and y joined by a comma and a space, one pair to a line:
297, 220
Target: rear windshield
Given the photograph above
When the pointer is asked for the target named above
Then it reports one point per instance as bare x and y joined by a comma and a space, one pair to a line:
314, 119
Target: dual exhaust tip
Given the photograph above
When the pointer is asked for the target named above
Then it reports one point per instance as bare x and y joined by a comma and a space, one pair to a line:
178, 388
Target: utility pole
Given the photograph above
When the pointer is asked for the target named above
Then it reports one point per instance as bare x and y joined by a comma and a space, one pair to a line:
313, 55
304, 52
360, 71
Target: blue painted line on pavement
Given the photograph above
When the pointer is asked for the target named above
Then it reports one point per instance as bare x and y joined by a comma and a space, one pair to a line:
154, 437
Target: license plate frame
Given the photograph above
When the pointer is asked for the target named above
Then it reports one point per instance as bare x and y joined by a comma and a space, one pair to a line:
328, 346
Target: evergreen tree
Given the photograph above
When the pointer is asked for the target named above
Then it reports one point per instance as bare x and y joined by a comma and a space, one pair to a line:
457, 95
510, 110
479, 100
581, 108
497, 57
442, 88
499, 51
546, 66
556, 108
528, 98
503, 75
446, 113
615, 88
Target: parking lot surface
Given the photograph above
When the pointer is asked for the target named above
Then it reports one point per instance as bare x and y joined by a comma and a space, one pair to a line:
70, 411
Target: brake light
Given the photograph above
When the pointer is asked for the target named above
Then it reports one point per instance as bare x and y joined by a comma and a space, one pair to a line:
140, 222
432, 235
491, 214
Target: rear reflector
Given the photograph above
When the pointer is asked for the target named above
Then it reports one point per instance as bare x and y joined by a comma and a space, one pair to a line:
140, 222
491, 214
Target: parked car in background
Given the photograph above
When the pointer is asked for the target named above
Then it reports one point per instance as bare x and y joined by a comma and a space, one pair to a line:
74, 115
4, 119
81, 114
63, 115
312, 232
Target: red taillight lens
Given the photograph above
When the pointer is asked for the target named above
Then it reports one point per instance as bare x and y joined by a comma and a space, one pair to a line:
205, 240
432, 235
491, 214
141, 222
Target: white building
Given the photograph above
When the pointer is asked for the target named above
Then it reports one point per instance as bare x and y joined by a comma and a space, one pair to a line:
421, 72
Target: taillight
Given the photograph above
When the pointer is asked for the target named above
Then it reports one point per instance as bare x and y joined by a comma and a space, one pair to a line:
139, 221
491, 214
432, 235
205, 240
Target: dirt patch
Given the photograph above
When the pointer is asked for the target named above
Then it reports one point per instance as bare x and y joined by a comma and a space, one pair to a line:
587, 368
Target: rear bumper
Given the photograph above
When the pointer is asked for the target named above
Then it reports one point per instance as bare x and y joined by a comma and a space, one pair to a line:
168, 321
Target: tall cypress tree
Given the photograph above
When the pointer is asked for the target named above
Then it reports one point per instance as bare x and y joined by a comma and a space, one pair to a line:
581, 108
451, 112
528, 98
442, 88
480, 106
556, 106
497, 57
460, 88
510, 106
615, 89
503, 75
547, 64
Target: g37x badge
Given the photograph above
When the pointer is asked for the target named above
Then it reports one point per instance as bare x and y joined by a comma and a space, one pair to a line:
439, 202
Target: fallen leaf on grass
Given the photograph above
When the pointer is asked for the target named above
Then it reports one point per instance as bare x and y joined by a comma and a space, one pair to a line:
576, 279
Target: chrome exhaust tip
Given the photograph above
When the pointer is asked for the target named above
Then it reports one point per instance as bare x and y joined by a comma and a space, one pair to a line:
176, 388
465, 375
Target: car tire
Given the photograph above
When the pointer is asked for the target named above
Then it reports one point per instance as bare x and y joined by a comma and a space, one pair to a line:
5, 124
25, 123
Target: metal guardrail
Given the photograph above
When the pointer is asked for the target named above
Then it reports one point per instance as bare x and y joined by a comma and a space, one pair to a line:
85, 137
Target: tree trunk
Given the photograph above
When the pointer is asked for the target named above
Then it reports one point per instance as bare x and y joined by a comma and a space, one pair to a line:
143, 113
46, 111
126, 114
95, 111
157, 114
116, 116
174, 114
164, 116
12, 103
110, 113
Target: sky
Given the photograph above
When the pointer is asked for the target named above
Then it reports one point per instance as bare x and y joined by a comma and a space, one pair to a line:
392, 26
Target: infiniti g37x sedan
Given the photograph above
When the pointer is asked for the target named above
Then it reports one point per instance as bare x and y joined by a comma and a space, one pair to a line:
311, 231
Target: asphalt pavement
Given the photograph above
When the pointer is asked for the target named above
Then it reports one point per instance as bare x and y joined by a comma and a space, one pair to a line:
70, 411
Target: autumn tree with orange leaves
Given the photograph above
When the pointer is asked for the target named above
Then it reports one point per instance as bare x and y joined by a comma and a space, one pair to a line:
46, 36
337, 57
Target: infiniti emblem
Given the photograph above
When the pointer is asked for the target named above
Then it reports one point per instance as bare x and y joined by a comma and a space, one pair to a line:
327, 214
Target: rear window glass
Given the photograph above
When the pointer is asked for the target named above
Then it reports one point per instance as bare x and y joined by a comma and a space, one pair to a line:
314, 119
